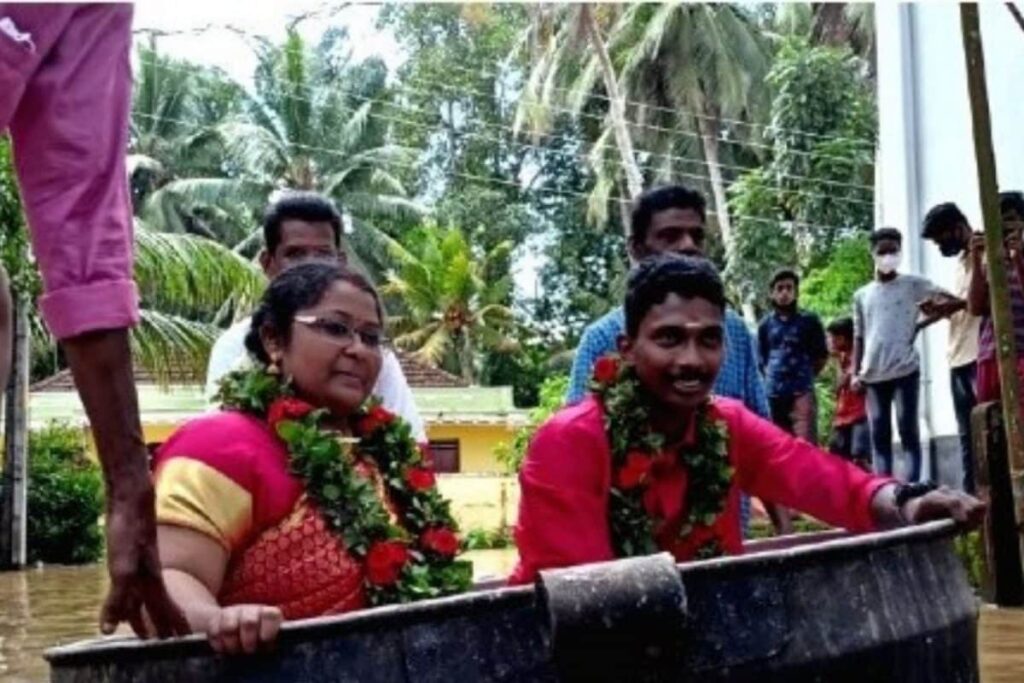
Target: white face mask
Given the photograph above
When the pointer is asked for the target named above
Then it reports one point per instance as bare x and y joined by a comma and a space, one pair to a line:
887, 263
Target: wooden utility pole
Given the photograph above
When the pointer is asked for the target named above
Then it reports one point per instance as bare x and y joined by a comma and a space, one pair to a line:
14, 508
998, 279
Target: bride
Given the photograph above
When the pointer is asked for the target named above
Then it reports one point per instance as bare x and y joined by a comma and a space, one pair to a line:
302, 496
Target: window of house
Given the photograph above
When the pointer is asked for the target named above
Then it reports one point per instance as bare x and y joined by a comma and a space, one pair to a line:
446, 455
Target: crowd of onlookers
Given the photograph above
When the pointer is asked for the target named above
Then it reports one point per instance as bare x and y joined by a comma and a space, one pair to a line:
877, 364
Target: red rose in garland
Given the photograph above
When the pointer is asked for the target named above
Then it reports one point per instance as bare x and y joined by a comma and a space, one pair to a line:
441, 541
385, 561
375, 418
365, 522
636, 469
287, 408
606, 369
420, 479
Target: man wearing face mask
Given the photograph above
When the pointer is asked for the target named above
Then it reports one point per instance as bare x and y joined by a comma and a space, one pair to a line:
947, 227
885, 360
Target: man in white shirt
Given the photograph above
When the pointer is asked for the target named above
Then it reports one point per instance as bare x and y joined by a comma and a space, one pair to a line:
948, 228
297, 227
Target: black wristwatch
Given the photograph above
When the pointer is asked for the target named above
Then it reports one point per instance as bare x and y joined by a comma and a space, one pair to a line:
905, 492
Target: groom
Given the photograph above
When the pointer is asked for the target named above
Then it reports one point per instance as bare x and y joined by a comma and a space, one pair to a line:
650, 461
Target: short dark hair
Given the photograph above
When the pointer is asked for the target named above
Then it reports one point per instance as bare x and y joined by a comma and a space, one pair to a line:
841, 327
299, 287
941, 216
654, 278
784, 274
660, 199
885, 234
1011, 201
303, 206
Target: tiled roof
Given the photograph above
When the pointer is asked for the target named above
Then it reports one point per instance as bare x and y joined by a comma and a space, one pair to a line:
63, 381
421, 375
418, 374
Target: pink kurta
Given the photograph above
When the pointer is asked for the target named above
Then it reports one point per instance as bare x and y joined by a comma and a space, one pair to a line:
65, 94
565, 480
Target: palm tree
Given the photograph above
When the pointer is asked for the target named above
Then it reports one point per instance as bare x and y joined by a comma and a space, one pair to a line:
839, 24
706, 62
452, 312
189, 287
300, 129
556, 33
689, 71
176, 107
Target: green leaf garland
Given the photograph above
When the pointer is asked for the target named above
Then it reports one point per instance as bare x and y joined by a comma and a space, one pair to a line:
412, 559
635, 447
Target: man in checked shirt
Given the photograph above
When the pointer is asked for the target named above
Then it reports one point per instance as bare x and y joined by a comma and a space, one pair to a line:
664, 219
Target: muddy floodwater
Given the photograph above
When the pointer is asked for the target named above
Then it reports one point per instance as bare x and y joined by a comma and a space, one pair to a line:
40, 608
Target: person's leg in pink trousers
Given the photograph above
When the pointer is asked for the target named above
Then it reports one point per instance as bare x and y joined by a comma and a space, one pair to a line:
65, 96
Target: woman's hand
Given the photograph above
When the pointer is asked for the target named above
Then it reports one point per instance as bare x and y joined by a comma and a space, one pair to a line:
944, 503
244, 628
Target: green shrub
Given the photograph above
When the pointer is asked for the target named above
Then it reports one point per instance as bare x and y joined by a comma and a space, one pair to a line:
65, 498
483, 539
552, 398
970, 551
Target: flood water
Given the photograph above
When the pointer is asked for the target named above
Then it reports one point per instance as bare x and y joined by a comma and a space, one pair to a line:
46, 607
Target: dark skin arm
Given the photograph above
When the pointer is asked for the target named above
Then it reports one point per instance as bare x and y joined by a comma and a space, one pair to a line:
102, 367
977, 290
1016, 252
858, 356
942, 503
820, 345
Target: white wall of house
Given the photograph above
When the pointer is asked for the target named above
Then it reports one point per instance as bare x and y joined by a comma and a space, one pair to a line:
926, 153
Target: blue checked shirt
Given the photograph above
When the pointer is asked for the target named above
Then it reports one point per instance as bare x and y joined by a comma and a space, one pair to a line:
738, 377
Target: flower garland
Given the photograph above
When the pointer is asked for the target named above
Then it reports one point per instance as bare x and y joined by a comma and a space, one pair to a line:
636, 449
412, 559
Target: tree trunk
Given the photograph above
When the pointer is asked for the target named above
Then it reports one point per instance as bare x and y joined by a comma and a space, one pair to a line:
708, 128
466, 358
999, 289
616, 104
830, 25
13, 519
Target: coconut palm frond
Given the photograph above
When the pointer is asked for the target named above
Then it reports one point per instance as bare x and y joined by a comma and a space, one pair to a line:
171, 346
193, 276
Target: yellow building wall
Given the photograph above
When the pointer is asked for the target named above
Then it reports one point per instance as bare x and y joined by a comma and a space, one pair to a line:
482, 496
151, 433
476, 444
481, 501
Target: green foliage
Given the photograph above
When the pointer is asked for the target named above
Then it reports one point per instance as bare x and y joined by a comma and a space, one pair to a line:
815, 191
971, 551
13, 236
452, 309
762, 528
759, 246
483, 539
65, 498
828, 291
552, 397
818, 90
525, 370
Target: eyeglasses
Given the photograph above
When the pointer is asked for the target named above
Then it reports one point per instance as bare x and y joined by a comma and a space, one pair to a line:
341, 332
